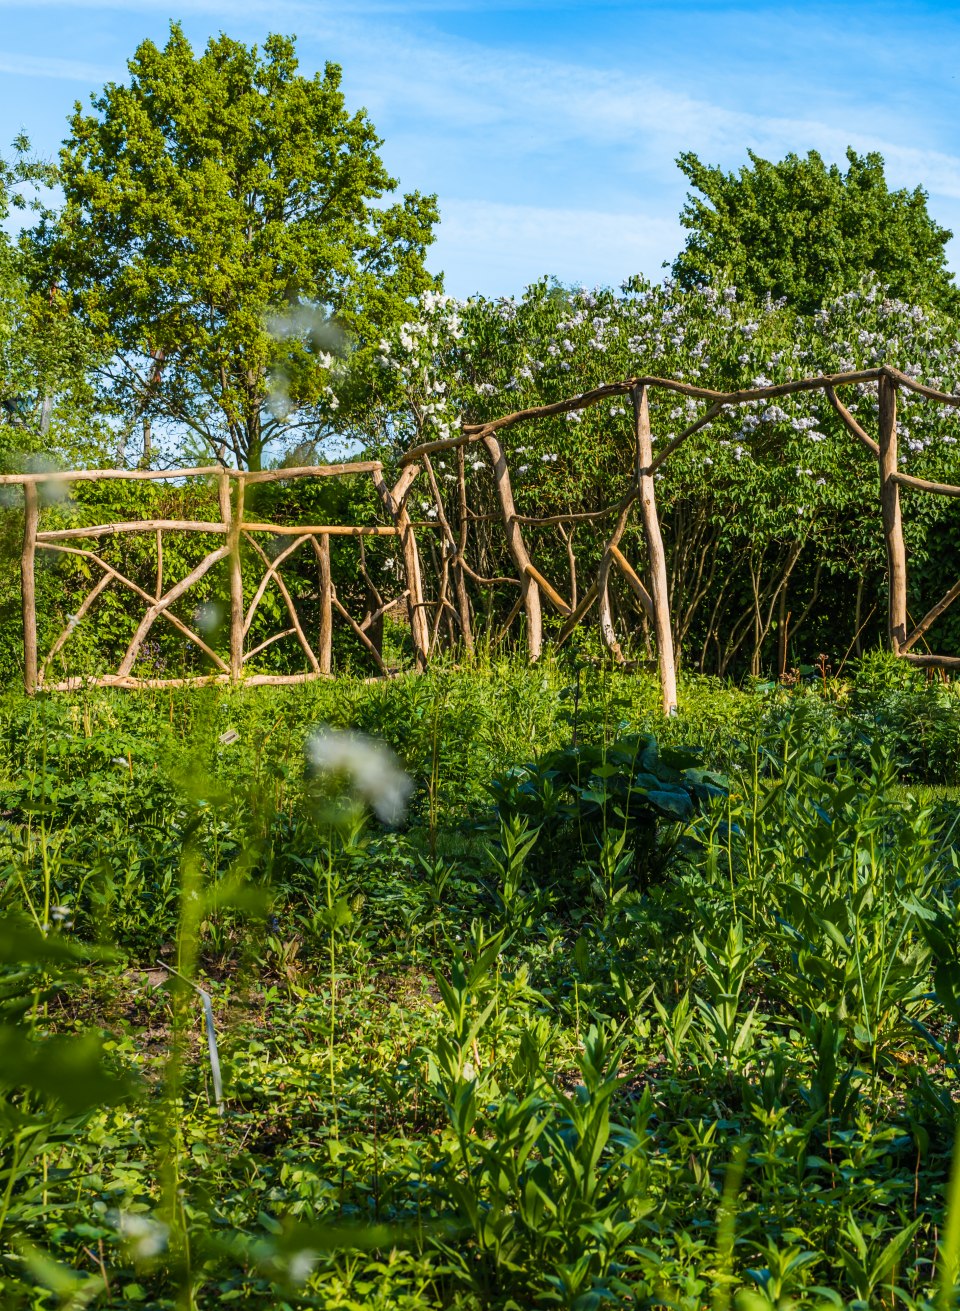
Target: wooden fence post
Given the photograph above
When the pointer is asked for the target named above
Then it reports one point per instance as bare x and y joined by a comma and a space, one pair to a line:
232, 514
529, 591
325, 634
659, 587
892, 521
28, 585
394, 503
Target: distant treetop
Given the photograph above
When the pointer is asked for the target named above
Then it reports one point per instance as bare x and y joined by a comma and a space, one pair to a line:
801, 230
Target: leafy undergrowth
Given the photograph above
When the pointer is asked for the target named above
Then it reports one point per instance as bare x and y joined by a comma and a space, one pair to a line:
609, 1023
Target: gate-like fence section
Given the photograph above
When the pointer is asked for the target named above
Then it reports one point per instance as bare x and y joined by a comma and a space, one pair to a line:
234, 527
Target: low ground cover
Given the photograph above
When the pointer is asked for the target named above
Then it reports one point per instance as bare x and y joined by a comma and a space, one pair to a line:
606, 1020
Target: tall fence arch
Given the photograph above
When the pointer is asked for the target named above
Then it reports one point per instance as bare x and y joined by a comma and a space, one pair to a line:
447, 600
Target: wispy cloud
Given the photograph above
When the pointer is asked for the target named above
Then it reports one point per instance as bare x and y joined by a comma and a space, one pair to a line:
554, 156
64, 70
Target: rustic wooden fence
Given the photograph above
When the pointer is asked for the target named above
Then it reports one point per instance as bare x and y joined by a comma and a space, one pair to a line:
449, 599
234, 527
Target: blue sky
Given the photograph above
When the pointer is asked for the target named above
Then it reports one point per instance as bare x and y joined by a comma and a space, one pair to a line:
549, 131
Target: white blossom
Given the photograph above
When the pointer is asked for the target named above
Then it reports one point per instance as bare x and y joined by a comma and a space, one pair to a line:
371, 767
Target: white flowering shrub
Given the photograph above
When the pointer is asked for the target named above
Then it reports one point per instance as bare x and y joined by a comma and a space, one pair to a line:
769, 495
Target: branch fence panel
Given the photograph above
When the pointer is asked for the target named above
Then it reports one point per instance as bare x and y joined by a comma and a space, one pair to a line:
444, 610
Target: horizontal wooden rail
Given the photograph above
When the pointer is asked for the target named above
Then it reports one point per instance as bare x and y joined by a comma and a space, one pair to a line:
215, 526
201, 471
322, 530
472, 432
132, 526
923, 485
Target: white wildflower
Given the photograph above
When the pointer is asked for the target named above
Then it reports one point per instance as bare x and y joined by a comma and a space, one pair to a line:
302, 1265
146, 1237
372, 768
209, 617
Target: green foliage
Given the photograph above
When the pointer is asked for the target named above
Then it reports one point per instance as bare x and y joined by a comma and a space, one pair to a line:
452, 1074
221, 231
579, 796
45, 352
800, 230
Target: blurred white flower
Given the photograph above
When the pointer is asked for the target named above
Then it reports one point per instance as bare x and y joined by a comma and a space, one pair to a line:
146, 1237
372, 768
209, 617
302, 1265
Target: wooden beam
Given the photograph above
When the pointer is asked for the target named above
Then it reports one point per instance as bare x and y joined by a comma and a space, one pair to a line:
287, 632
656, 554
931, 393
931, 661
393, 502
529, 589
359, 633
231, 511
678, 441
321, 549
82, 609
28, 586
198, 471
586, 601
163, 604
291, 608
892, 521
124, 581
265, 581
923, 485
472, 432
860, 433
930, 617
133, 526
633, 578
551, 593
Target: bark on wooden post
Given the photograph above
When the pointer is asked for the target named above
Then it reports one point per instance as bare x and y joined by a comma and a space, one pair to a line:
892, 522
529, 591
463, 596
607, 631
325, 633
394, 503
28, 585
231, 511
659, 587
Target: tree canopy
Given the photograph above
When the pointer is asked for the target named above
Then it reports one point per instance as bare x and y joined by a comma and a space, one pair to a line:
223, 229
46, 355
801, 230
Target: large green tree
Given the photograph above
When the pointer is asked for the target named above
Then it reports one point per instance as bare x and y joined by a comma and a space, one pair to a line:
803, 230
45, 353
224, 229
